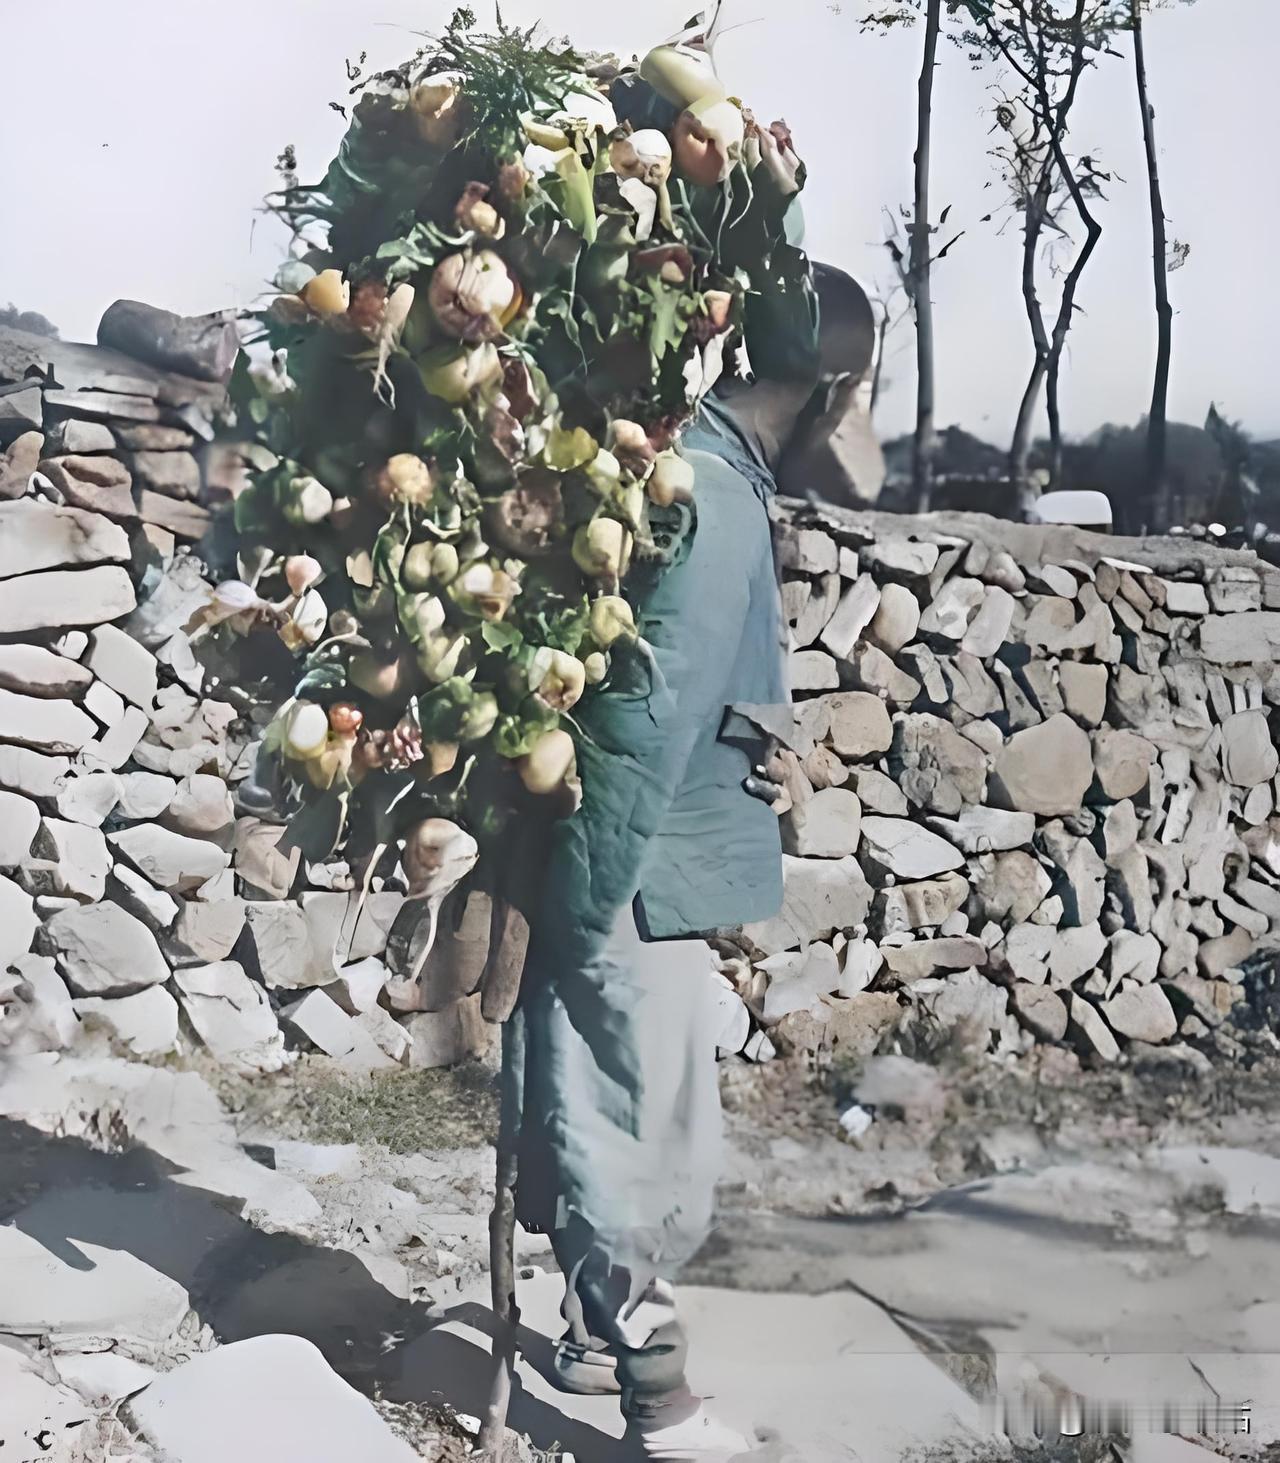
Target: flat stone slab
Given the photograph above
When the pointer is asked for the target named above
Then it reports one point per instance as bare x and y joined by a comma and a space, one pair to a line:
270, 1397
35, 536
63, 598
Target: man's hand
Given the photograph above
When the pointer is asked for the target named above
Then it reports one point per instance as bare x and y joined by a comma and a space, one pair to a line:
767, 780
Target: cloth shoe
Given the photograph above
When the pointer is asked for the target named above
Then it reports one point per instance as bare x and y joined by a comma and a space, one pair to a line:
589, 1370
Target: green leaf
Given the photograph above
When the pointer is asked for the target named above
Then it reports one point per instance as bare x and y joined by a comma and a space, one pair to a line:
500, 636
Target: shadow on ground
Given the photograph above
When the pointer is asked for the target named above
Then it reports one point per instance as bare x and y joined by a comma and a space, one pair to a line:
243, 1282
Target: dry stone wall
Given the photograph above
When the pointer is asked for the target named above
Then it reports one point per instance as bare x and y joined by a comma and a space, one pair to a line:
1030, 778
1030, 784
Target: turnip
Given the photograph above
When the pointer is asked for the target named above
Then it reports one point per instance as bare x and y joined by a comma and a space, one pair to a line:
437, 104
681, 74
441, 655
550, 764
301, 571
306, 500
645, 155
474, 211
596, 667
437, 856
671, 479
473, 295
611, 620
707, 140
326, 294
556, 678
456, 373
602, 549
306, 730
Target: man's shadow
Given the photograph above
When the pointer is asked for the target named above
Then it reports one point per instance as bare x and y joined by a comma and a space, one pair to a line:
243, 1282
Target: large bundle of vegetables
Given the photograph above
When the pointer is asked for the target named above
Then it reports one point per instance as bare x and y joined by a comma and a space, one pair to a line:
503, 305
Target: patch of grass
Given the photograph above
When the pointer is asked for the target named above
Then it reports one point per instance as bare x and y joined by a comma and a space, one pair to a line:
408, 1110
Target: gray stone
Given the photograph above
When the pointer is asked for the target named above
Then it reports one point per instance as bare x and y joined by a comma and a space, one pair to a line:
989, 628
852, 616
966, 1004
231, 1015
1249, 754
1041, 1010
174, 474
70, 859
358, 987
344, 928
95, 484
870, 669
819, 606
59, 598
114, 748
971, 687
812, 670
907, 850
1009, 886
1074, 953
258, 860
18, 922
994, 566
859, 724
1142, 1013
1041, 684
323, 1023
1218, 956
820, 896
823, 826
116, 658
1133, 954
954, 607
206, 931
284, 955
145, 795
89, 798
443, 1038
20, 412
202, 808
1177, 597
1054, 579
986, 830
1129, 885
271, 1397
936, 767
1122, 760
1120, 829
880, 794
1259, 805
103, 951
822, 769
1092, 1030
36, 536
1233, 589
920, 905
18, 462
1081, 873
896, 620
1026, 952
799, 980
928, 671
903, 556
34, 671
394, 1041
184, 520
806, 550
170, 860
72, 436
48, 1022
181, 591
1046, 769
104, 704
19, 822
1084, 691
145, 1024
44, 725
141, 897
1241, 639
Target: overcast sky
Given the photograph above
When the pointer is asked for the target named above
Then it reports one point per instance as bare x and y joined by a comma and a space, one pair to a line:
138, 141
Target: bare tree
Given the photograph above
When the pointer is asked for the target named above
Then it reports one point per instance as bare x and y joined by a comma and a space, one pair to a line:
31, 321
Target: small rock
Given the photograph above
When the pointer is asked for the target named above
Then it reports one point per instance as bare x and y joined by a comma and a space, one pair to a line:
1075, 952
206, 931
1142, 1013
855, 1121
1233, 589
820, 896
48, 1022
859, 724
202, 808
823, 826
393, 1040
104, 951
184, 520
1122, 760
358, 986
19, 823
89, 798
70, 859
154, 437
954, 608
903, 556
1046, 769
96, 484
18, 461
806, 550
907, 850
339, 935
927, 903
819, 605
986, 830
870, 669
1136, 955
852, 616
328, 1028
1084, 691
923, 958
1043, 1011
145, 795
798, 981
170, 860
145, 1024
284, 954
1179, 598
114, 748
32, 670
101, 702
880, 794
989, 628
1249, 755
258, 860
858, 1025
812, 670
442, 1038
935, 766
126, 666
141, 898
79, 438
1092, 1029
1026, 952
896, 621
899, 1088
18, 922
1223, 954
173, 474
231, 1015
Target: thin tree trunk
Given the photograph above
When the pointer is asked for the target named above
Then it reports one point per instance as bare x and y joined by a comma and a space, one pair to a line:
1020, 447
1157, 503
924, 444
882, 336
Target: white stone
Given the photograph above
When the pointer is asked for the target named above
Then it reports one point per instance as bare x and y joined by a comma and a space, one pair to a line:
145, 795
1084, 690
17, 922
114, 748
32, 773
44, 725
1134, 955
386, 1032
284, 953
72, 644
34, 671
104, 951
170, 860
1075, 952
986, 830
989, 628
858, 724
896, 620
344, 928
145, 1024
923, 958
89, 798
906, 849
36, 535
1045, 769
860, 963
1249, 755
953, 608
1092, 1028
141, 897
59, 598
820, 896
231, 1015
271, 1397
443, 1038
1240, 639
1122, 761
201, 807
823, 826
903, 556
19, 821
102, 1378
798, 981
1181, 598
206, 930
106, 705
71, 859
1026, 952
925, 904
852, 616
1142, 1013
328, 1027
807, 550
48, 1021
879, 794
812, 670
358, 986
116, 658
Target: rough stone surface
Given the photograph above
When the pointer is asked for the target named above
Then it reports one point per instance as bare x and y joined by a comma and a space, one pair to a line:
231, 1015
1249, 755
823, 826
17, 921
19, 822
126, 666
1046, 769
907, 850
104, 951
1142, 1013
44, 725
145, 1024
34, 671
1122, 760
170, 860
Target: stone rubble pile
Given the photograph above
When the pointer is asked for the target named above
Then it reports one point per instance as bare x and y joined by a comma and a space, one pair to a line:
1030, 779
1030, 788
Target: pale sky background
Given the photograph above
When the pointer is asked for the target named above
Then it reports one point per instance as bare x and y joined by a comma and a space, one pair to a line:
139, 137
